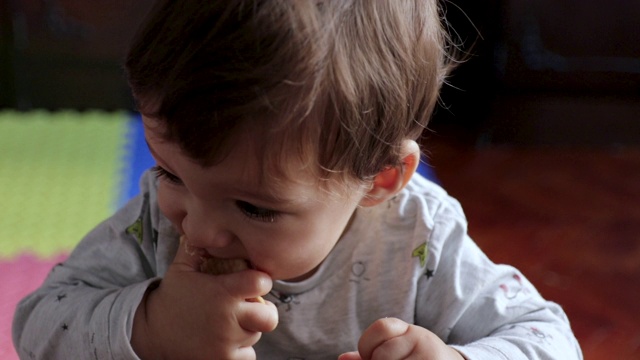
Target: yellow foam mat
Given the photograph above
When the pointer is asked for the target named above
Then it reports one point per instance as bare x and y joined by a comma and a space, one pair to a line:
59, 176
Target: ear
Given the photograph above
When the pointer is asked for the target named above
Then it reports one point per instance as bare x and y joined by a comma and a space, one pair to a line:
391, 180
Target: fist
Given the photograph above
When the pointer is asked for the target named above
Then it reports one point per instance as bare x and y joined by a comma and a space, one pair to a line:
196, 315
392, 338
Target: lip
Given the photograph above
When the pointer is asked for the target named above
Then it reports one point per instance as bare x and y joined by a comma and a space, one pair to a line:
209, 254
204, 253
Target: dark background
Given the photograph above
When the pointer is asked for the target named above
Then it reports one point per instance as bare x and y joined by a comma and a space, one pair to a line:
557, 72
561, 72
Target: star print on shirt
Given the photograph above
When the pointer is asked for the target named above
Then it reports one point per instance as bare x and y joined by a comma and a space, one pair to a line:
135, 229
65, 327
429, 273
421, 253
60, 297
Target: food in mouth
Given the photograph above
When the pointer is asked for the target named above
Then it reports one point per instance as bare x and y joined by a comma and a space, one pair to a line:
218, 266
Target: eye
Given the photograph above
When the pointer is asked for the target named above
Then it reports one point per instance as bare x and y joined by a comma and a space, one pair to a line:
163, 174
257, 213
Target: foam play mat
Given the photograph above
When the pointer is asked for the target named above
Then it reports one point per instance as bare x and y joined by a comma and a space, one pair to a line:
61, 173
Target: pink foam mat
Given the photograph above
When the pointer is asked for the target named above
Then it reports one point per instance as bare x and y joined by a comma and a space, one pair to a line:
18, 277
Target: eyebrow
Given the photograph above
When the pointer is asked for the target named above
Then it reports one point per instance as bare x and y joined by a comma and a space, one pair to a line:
266, 197
159, 160
153, 152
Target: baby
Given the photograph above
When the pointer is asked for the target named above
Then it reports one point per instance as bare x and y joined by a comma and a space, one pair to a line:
286, 135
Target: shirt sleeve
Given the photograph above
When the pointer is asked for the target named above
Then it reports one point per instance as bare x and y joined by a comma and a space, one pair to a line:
85, 307
484, 310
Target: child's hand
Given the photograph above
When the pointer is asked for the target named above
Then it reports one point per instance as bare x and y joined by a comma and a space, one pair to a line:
391, 338
192, 315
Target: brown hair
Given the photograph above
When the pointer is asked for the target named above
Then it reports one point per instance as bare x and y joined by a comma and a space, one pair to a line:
344, 81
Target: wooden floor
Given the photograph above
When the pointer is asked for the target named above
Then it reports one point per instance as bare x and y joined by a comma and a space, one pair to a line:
568, 218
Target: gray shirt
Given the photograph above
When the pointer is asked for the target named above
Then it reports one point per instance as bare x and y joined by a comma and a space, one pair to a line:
409, 258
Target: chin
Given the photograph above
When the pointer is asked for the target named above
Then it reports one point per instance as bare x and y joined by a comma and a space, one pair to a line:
297, 278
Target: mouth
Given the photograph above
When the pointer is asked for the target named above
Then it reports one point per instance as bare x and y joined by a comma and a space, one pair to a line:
218, 266
205, 254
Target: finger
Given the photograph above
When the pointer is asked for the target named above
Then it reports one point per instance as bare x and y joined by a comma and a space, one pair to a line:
258, 317
353, 355
250, 339
241, 352
379, 332
246, 284
399, 347
244, 353
248, 287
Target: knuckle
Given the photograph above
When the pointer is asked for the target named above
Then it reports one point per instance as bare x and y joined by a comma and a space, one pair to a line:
390, 326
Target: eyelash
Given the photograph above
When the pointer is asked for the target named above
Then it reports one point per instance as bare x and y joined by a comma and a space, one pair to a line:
163, 174
257, 213
249, 210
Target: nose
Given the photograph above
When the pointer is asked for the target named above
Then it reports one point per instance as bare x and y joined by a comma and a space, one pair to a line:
206, 232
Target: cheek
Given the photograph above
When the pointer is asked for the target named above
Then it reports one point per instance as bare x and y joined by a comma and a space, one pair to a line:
294, 257
302, 247
171, 206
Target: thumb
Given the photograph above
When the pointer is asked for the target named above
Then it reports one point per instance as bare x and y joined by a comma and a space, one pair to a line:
188, 257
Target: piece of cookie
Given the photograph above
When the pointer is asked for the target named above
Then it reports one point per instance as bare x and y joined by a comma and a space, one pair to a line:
218, 266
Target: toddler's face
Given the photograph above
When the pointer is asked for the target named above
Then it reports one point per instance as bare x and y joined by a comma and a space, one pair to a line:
285, 229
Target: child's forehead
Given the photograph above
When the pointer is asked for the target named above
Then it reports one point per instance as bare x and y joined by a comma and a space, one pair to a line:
277, 175
272, 160
250, 150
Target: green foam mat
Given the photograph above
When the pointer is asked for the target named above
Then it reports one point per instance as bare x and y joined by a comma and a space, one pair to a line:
59, 177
